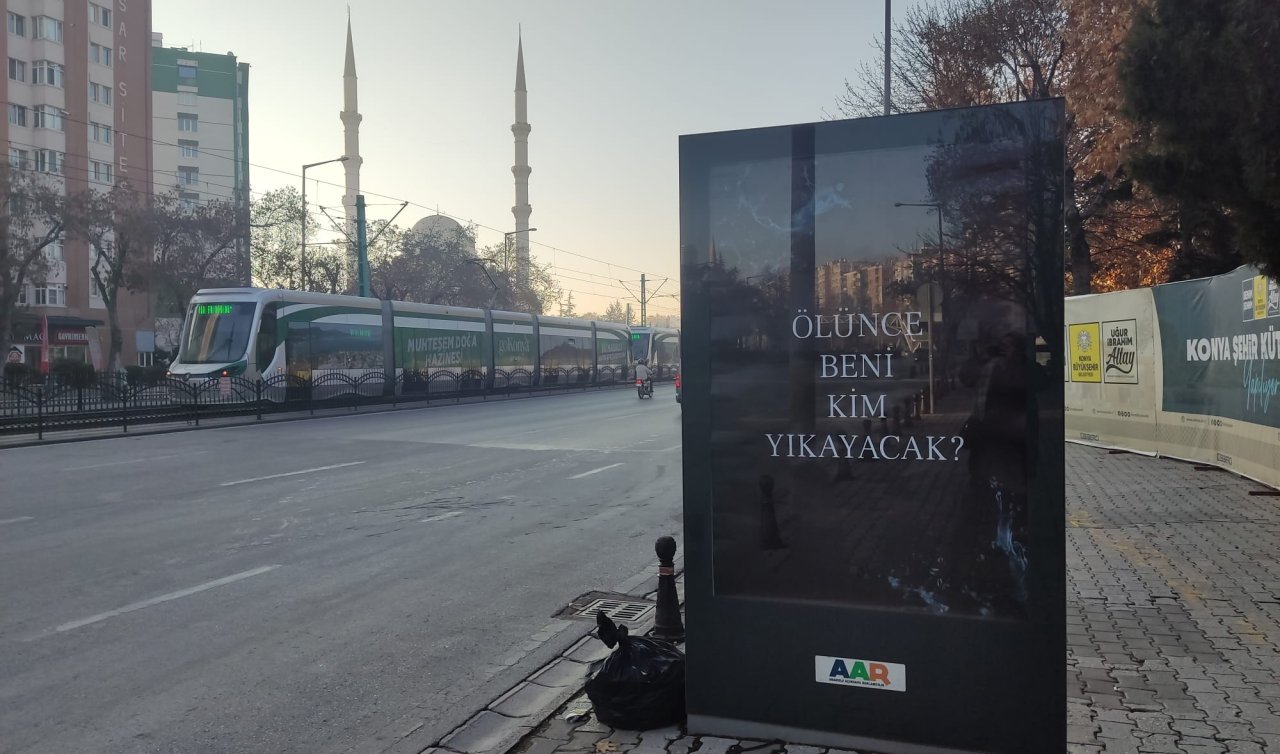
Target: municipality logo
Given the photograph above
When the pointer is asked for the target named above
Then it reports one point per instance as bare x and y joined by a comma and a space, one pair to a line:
871, 674
1083, 340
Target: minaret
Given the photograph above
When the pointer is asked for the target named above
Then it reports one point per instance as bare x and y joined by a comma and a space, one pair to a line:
350, 116
521, 170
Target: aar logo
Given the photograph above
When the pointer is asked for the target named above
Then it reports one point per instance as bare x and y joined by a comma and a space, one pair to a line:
872, 674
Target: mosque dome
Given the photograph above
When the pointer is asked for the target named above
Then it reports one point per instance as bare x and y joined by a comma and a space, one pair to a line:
440, 226
437, 225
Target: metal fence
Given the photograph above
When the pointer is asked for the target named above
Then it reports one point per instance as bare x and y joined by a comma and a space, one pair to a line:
118, 401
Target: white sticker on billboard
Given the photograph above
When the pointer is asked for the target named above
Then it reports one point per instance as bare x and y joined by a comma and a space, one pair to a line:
868, 674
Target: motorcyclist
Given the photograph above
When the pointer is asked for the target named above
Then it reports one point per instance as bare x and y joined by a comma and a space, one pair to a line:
643, 373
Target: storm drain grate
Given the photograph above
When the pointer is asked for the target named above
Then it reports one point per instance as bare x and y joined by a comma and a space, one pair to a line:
618, 610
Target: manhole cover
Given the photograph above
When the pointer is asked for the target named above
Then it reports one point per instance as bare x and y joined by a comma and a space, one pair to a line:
619, 607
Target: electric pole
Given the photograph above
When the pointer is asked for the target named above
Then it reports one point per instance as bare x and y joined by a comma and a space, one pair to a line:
645, 297
362, 248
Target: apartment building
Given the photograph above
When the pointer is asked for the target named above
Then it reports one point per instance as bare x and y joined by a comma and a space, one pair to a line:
201, 111
78, 96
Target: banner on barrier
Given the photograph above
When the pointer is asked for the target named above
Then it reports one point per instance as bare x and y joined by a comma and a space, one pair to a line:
1188, 370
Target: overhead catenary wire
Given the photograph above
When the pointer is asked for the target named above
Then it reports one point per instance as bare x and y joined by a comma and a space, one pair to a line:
201, 182
394, 199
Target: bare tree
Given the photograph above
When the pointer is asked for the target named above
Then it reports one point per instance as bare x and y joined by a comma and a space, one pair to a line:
121, 228
195, 246
960, 53
275, 233
31, 219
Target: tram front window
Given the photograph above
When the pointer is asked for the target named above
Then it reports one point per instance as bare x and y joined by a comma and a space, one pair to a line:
217, 332
640, 345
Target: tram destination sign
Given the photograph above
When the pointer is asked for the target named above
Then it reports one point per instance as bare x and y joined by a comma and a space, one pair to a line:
873, 478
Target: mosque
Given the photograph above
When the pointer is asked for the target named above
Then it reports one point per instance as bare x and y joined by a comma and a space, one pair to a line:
441, 224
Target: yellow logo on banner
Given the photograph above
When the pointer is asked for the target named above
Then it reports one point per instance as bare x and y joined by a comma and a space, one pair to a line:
1086, 352
1260, 297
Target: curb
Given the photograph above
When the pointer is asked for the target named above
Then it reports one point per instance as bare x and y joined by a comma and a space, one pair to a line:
506, 721
161, 429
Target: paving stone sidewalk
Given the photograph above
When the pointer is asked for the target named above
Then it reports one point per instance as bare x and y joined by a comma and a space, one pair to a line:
1173, 621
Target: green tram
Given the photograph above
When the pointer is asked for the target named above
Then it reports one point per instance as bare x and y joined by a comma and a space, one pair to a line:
659, 346
290, 336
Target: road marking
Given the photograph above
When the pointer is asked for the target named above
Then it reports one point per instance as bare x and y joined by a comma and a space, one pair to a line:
291, 473
596, 471
163, 598
673, 447
440, 517
17, 520
134, 460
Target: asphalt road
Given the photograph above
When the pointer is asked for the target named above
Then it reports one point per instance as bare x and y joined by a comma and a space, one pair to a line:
315, 586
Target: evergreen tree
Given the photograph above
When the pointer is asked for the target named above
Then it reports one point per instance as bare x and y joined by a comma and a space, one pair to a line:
1204, 77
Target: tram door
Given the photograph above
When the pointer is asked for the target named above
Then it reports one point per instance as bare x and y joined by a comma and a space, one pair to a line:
266, 342
297, 354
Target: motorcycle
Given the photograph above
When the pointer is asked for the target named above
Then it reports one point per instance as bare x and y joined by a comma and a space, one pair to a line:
644, 388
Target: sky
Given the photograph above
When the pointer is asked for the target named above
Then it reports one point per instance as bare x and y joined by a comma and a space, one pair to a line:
612, 86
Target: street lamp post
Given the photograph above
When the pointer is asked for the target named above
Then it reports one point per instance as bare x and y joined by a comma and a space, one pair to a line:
937, 207
305, 281
506, 246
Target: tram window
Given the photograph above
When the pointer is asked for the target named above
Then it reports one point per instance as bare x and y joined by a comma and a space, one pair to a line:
217, 332
639, 345
340, 346
566, 351
298, 348
267, 341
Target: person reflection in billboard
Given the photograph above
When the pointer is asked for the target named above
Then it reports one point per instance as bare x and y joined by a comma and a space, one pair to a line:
996, 438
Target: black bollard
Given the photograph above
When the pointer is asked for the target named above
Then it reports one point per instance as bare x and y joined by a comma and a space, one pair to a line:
908, 404
667, 624
770, 536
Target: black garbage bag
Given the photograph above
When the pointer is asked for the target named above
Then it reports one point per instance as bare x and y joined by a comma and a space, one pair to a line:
640, 686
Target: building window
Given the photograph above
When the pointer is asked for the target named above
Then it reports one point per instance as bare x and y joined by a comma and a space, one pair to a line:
17, 70
22, 292
100, 16
188, 122
48, 28
189, 199
189, 148
48, 161
51, 118
51, 295
100, 172
187, 98
100, 93
47, 73
146, 358
17, 24
100, 133
99, 54
187, 72
18, 115
55, 252
19, 158
188, 176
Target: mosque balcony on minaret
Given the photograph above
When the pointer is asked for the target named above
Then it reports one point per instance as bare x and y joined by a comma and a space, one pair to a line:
522, 212
350, 118
521, 171
521, 130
